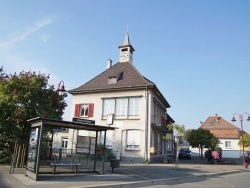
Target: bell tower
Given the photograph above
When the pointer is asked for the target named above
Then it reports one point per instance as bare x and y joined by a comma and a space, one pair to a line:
126, 51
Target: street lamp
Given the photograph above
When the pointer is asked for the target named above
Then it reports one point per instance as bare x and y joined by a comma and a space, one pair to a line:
61, 88
241, 124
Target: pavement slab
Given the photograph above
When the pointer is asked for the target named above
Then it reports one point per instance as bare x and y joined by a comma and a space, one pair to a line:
127, 175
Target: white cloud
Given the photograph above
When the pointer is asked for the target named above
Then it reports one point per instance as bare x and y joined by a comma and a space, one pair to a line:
28, 32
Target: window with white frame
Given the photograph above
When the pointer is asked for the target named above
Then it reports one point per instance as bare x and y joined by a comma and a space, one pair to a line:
64, 143
124, 107
228, 144
133, 107
84, 110
133, 139
108, 107
120, 107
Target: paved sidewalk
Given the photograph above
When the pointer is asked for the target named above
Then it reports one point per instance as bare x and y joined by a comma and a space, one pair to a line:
128, 175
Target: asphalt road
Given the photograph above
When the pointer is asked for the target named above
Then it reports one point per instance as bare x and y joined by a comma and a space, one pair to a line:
239, 180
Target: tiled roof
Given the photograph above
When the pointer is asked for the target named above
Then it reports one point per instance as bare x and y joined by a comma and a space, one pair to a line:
130, 78
226, 133
221, 128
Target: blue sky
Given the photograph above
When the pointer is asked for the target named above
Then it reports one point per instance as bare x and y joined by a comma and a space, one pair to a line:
196, 52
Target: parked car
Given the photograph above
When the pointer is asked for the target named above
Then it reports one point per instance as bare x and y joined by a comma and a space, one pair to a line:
184, 153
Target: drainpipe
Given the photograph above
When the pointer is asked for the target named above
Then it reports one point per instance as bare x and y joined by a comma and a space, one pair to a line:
146, 125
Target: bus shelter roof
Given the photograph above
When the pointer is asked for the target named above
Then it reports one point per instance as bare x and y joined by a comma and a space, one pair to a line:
70, 124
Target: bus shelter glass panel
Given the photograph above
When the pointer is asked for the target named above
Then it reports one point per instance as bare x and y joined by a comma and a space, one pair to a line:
32, 150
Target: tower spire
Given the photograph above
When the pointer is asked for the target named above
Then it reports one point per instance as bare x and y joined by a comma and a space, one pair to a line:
126, 40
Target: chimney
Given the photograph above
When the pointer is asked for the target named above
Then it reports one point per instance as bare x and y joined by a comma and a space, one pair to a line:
216, 117
109, 63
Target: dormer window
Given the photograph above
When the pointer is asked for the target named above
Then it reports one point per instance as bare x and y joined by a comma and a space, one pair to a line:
211, 122
114, 79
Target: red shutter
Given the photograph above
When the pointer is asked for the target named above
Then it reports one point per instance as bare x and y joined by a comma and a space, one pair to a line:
91, 110
77, 110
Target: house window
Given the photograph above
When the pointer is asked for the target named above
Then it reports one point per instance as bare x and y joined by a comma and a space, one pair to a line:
133, 107
116, 78
126, 107
158, 113
64, 143
133, 139
108, 107
112, 80
211, 122
228, 144
120, 107
84, 110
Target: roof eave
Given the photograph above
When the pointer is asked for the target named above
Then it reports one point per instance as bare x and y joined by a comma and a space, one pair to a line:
105, 90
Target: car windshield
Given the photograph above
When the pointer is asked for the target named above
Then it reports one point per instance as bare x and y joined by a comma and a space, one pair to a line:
185, 150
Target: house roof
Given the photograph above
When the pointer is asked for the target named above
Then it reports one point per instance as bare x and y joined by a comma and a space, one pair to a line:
128, 78
220, 127
170, 119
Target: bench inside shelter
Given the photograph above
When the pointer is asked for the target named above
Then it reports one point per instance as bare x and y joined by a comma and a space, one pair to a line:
71, 163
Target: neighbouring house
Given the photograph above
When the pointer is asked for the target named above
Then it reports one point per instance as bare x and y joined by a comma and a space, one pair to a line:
227, 133
121, 97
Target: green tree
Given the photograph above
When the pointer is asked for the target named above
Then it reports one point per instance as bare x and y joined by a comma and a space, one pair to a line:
246, 140
179, 130
201, 138
24, 96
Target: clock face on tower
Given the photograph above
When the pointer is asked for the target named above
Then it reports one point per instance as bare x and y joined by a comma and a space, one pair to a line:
124, 56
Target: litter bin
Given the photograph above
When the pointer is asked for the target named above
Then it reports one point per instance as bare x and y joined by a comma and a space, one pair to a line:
114, 163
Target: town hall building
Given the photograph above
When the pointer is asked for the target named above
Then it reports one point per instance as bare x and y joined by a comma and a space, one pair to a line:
123, 98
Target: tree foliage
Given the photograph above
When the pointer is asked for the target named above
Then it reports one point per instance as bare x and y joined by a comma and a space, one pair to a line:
201, 138
179, 130
246, 140
24, 96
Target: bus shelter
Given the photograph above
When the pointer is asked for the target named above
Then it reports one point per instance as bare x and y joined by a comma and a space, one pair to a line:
76, 158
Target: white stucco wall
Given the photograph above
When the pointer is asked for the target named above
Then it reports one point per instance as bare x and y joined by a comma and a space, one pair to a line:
119, 137
230, 152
